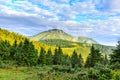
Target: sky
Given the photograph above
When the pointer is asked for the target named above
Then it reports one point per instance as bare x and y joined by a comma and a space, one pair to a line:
97, 19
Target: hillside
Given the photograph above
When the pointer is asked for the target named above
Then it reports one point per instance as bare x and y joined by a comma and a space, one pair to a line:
11, 37
67, 46
56, 37
60, 34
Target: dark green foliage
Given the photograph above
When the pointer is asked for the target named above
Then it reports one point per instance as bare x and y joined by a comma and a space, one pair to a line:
62, 68
49, 57
115, 66
74, 59
105, 73
81, 62
42, 56
13, 51
4, 50
115, 57
93, 58
26, 54
99, 72
66, 60
93, 74
57, 58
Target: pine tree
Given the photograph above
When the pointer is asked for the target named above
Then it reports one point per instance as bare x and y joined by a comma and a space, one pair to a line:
80, 60
105, 61
66, 60
74, 59
93, 58
49, 57
26, 54
57, 58
42, 56
60, 53
115, 57
4, 50
13, 51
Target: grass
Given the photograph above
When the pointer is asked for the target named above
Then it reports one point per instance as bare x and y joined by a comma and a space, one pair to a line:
17, 74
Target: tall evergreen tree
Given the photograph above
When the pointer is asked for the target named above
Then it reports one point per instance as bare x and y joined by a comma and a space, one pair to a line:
13, 50
74, 59
57, 58
105, 61
26, 54
4, 50
66, 60
115, 57
49, 57
80, 60
93, 58
60, 52
42, 56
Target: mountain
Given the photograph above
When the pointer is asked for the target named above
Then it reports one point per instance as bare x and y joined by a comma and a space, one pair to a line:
61, 35
56, 37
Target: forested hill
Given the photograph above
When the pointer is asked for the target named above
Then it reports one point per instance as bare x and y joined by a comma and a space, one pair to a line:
11, 37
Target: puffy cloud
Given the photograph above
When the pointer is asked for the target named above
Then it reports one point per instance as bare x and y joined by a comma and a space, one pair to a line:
98, 17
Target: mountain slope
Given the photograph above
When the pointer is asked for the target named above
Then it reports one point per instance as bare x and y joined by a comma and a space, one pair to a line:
11, 37
56, 37
59, 34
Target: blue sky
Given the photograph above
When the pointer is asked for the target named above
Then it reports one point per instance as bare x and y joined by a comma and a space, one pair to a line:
97, 19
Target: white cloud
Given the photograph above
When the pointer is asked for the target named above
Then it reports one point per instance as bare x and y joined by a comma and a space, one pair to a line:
41, 15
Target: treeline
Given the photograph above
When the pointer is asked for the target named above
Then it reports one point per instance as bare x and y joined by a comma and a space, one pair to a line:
25, 54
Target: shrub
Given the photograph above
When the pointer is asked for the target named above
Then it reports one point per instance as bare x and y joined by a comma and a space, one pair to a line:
62, 68
115, 66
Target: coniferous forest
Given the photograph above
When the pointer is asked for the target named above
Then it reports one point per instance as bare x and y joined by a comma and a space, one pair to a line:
37, 61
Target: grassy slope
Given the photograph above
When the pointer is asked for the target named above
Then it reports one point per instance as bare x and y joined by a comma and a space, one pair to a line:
52, 34
59, 34
32, 74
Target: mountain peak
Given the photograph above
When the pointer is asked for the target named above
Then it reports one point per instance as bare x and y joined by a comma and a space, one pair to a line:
55, 30
60, 34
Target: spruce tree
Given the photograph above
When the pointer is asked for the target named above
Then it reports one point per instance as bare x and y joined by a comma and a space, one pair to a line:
42, 56
49, 57
115, 57
60, 58
80, 60
57, 58
26, 54
74, 59
13, 50
93, 58
4, 50
105, 61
